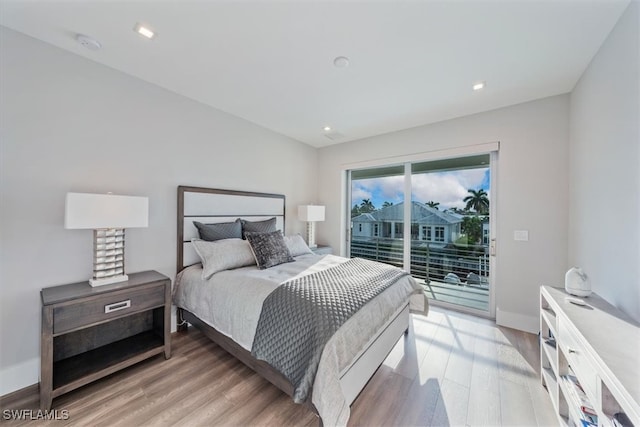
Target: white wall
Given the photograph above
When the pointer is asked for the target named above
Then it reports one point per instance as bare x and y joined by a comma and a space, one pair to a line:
604, 163
532, 192
69, 124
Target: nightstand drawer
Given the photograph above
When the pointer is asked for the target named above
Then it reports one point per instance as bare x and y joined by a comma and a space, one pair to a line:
82, 313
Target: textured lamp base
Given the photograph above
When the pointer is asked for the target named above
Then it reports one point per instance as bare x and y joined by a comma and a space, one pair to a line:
108, 280
108, 257
311, 235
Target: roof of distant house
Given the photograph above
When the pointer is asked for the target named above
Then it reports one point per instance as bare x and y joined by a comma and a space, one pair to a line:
420, 213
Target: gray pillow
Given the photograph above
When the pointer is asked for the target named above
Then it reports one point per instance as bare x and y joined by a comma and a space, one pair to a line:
223, 255
269, 249
266, 226
297, 246
219, 231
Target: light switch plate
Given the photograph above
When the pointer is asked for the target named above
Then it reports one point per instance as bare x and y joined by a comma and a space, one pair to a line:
521, 235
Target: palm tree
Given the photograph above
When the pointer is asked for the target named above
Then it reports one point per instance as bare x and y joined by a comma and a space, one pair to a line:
366, 206
433, 204
387, 204
477, 200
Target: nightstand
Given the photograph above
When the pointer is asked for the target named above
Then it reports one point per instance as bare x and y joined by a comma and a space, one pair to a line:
91, 332
322, 250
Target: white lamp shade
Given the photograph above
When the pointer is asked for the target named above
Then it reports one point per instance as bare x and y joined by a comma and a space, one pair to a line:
311, 213
95, 211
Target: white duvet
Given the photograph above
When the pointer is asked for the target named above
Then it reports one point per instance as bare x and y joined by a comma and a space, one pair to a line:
231, 302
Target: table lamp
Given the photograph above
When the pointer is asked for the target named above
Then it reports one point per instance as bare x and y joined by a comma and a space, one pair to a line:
108, 215
311, 214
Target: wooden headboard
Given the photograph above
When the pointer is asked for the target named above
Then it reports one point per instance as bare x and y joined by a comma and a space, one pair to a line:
213, 205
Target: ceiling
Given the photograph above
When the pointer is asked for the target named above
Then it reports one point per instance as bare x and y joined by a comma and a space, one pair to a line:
271, 62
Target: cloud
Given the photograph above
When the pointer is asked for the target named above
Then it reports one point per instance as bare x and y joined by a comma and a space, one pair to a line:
446, 188
359, 192
379, 190
390, 187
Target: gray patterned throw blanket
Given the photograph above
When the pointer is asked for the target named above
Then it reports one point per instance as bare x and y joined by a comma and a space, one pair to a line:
300, 316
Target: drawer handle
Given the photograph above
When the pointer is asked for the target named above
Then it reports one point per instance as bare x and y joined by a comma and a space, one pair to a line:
110, 308
571, 350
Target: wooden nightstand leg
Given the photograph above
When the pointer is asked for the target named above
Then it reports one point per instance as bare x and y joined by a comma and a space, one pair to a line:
167, 321
46, 359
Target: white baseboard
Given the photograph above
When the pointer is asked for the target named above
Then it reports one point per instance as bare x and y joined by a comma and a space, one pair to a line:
518, 321
19, 376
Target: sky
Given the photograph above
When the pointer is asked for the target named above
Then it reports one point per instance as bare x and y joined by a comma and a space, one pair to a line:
447, 188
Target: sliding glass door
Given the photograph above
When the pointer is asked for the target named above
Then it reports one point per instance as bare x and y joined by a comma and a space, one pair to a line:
450, 218
431, 218
377, 212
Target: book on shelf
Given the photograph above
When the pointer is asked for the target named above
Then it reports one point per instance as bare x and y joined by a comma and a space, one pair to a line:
620, 419
588, 415
585, 423
581, 423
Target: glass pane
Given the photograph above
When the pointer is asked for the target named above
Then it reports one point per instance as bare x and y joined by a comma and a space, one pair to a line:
450, 229
377, 211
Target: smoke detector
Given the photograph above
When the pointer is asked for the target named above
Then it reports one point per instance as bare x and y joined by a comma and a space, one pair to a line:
88, 42
341, 62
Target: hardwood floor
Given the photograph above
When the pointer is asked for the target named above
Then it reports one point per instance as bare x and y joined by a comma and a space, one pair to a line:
460, 370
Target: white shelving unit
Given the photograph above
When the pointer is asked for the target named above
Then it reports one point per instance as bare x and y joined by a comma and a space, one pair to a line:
600, 346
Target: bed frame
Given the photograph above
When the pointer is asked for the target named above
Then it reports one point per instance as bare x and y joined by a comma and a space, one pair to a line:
216, 205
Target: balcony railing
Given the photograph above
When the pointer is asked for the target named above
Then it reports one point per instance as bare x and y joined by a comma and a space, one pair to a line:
450, 264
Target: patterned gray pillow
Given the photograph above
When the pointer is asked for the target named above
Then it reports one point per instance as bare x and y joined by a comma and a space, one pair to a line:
269, 249
266, 226
219, 231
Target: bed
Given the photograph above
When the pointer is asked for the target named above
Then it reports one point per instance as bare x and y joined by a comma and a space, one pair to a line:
229, 305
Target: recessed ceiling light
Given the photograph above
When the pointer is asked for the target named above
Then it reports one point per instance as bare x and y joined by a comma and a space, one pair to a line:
341, 62
478, 86
144, 31
327, 128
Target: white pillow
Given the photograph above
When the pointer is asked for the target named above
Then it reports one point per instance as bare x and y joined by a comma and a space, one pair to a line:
222, 255
297, 246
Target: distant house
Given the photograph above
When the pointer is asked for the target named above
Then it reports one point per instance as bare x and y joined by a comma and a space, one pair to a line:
485, 231
428, 224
